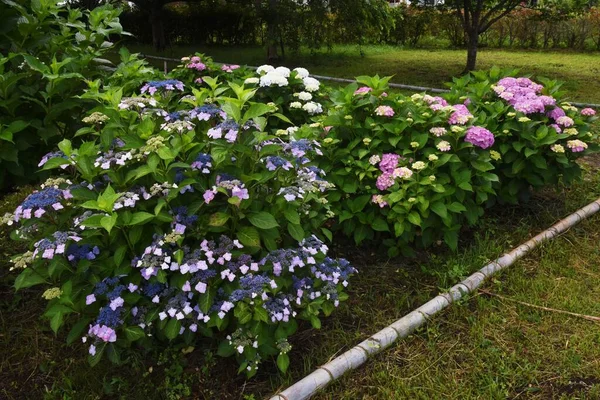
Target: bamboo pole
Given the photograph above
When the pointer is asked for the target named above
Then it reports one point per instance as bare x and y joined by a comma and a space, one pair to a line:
401, 328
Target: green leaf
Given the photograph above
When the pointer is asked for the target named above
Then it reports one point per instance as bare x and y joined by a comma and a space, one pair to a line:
28, 278
109, 222
263, 220
113, 354
260, 314
140, 218
225, 349
134, 333
119, 255
36, 64
256, 110
172, 329
249, 236
242, 313
440, 209
95, 359
218, 219
315, 322
205, 300
65, 146
380, 225
456, 207
283, 362
451, 239
291, 214
327, 234
56, 321
296, 232
232, 110
76, 331
359, 203
54, 163
414, 218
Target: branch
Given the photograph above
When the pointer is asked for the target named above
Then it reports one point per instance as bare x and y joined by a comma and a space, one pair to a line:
507, 5
588, 317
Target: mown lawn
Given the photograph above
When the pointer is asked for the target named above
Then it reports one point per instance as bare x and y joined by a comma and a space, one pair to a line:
482, 348
432, 68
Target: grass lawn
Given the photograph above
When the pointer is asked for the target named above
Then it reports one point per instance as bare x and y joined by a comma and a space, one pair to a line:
432, 68
484, 347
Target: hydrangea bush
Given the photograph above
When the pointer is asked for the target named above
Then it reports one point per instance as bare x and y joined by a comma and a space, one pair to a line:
183, 214
538, 135
295, 93
416, 167
47, 52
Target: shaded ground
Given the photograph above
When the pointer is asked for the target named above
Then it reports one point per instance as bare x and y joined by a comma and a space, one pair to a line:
484, 348
421, 67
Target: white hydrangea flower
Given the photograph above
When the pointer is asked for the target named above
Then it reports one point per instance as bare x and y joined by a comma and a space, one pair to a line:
304, 96
295, 104
311, 84
301, 72
283, 71
252, 81
312, 108
273, 79
265, 69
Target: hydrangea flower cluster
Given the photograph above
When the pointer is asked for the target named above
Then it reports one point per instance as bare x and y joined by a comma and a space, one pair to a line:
390, 172
165, 86
460, 115
479, 137
202, 162
384, 111
228, 130
40, 202
194, 63
523, 95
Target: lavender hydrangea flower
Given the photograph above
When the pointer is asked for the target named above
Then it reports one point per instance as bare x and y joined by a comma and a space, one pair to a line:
40, 202
167, 85
203, 163
206, 112
228, 129
274, 162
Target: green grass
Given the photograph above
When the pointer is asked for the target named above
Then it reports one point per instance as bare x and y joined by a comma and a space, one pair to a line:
481, 348
491, 348
421, 67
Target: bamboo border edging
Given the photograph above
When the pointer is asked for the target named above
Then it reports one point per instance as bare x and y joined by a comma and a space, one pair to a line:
344, 80
359, 354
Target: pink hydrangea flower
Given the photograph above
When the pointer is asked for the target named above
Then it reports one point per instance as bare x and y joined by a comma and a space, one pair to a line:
384, 181
389, 162
565, 121
577, 146
229, 68
460, 116
479, 137
362, 90
588, 112
384, 111
378, 199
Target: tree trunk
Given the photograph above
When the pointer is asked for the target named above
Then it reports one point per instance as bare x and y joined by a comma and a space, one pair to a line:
272, 39
158, 31
472, 45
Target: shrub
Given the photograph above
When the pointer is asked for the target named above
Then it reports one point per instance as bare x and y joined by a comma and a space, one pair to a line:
47, 51
410, 166
538, 136
183, 214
